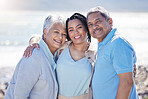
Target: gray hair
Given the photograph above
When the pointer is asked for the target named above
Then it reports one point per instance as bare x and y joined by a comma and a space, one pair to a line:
100, 9
51, 19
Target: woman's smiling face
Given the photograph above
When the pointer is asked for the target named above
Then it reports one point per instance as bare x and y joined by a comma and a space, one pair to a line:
77, 31
56, 36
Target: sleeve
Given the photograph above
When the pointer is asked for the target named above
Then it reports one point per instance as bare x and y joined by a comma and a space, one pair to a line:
27, 76
123, 57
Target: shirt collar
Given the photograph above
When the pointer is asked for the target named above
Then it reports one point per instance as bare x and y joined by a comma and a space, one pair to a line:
108, 37
47, 53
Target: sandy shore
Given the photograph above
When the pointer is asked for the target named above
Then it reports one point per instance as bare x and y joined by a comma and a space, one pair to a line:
141, 80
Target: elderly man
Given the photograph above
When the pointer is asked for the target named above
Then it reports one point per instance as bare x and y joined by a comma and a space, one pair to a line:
34, 77
113, 75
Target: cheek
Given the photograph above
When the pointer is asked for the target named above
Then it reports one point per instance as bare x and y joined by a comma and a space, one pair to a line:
64, 39
70, 35
90, 31
85, 33
47, 37
50, 37
106, 25
53, 35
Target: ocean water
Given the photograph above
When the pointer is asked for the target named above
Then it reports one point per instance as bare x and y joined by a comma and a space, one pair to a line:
17, 27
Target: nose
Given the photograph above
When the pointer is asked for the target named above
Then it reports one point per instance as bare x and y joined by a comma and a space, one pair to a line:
60, 36
76, 31
95, 26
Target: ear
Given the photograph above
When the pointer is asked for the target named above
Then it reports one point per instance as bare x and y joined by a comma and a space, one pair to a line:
110, 21
44, 32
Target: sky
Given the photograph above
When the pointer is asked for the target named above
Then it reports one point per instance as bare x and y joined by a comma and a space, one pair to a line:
74, 5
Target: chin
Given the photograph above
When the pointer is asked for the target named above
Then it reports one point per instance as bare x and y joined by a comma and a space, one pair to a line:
57, 46
95, 37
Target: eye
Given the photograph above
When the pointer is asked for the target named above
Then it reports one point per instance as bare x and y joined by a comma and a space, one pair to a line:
70, 30
99, 21
80, 27
89, 25
64, 35
56, 31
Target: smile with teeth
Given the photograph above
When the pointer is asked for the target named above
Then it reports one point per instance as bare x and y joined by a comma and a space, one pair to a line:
58, 41
77, 37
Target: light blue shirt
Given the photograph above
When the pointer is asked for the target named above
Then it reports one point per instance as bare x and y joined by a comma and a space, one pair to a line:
115, 55
48, 53
73, 76
34, 77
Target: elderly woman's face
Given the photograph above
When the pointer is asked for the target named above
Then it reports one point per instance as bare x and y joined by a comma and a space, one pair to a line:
56, 36
77, 31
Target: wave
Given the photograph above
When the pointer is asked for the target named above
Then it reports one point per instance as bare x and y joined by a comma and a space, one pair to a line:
12, 43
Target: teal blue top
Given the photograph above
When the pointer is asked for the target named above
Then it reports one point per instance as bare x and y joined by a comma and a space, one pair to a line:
115, 56
73, 76
48, 53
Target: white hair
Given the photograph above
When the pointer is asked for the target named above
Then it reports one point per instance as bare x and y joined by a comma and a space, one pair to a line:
51, 19
100, 9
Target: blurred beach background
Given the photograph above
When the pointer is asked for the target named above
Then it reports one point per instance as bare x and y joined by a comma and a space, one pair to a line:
19, 20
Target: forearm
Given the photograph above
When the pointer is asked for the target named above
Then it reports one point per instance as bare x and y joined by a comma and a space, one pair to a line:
124, 89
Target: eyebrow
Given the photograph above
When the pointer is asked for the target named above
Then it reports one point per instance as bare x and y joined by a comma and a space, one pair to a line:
58, 30
76, 26
98, 19
70, 27
95, 19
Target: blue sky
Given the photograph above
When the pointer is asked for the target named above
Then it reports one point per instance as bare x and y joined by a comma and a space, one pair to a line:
76, 5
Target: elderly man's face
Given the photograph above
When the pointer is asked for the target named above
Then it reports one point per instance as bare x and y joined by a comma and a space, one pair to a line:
98, 26
56, 36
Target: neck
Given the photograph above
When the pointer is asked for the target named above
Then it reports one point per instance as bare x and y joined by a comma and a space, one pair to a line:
80, 47
52, 49
100, 40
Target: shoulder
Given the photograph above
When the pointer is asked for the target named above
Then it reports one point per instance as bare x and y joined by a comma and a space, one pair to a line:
91, 56
36, 59
65, 45
121, 45
119, 40
37, 54
60, 50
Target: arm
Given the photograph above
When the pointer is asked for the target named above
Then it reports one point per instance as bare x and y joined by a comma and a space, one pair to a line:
134, 70
125, 85
29, 49
124, 61
27, 77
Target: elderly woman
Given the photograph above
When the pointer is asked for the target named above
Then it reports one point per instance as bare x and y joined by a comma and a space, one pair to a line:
34, 77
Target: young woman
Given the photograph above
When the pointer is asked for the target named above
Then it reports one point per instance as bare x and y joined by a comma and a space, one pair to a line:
73, 68
34, 77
